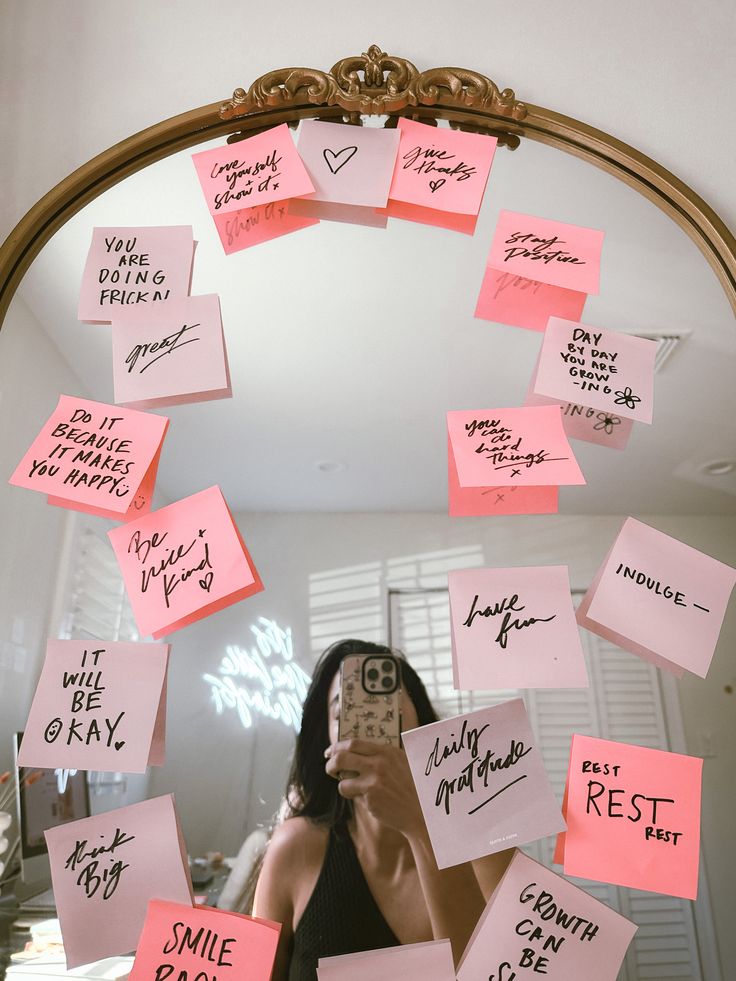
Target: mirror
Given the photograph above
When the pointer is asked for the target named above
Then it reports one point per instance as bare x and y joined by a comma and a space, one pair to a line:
346, 346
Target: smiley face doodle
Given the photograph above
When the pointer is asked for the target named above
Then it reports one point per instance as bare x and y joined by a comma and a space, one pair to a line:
52, 730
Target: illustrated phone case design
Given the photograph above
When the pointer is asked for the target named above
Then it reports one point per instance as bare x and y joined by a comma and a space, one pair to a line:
370, 689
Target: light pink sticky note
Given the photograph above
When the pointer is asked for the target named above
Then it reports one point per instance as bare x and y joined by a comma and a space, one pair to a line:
481, 783
633, 816
508, 298
94, 457
430, 961
522, 447
184, 562
347, 214
659, 598
442, 169
514, 628
242, 229
170, 353
601, 368
547, 251
184, 942
537, 923
106, 868
348, 164
98, 706
137, 265
260, 169
429, 216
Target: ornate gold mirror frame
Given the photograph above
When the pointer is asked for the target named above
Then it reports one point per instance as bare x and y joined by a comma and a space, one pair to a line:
373, 83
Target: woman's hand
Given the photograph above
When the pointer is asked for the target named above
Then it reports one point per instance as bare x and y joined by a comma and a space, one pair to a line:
379, 775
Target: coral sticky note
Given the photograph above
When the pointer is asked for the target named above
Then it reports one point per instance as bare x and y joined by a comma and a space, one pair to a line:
514, 628
633, 816
98, 706
184, 562
169, 353
258, 170
481, 783
94, 457
105, 869
551, 252
130, 266
430, 961
243, 229
183, 942
659, 598
601, 368
508, 298
536, 922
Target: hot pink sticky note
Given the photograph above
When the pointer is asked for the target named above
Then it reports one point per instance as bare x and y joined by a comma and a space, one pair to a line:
659, 598
180, 942
547, 251
522, 447
184, 562
169, 353
139, 265
430, 961
441, 169
94, 457
106, 868
98, 706
242, 229
633, 816
508, 298
481, 783
536, 922
600, 368
514, 628
255, 171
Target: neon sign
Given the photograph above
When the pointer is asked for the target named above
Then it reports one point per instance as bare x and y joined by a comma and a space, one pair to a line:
263, 680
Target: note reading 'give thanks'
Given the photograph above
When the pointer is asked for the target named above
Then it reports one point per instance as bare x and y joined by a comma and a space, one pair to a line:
481, 783
94, 457
184, 562
98, 706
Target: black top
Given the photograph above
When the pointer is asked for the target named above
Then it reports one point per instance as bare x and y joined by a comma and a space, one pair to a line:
342, 916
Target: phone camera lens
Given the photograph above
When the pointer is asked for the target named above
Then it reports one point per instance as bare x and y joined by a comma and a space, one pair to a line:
387, 682
388, 665
372, 673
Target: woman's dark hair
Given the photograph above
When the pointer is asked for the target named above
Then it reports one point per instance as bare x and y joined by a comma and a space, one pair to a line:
310, 791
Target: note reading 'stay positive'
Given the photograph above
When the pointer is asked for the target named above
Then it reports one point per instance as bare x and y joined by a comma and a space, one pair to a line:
481, 783
130, 266
106, 868
94, 457
429, 961
508, 298
184, 562
633, 817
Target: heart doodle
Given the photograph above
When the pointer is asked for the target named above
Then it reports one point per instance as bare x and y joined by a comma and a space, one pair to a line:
349, 150
436, 185
206, 582
120, 744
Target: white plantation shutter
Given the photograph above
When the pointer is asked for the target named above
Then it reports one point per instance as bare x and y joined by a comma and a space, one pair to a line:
623, 703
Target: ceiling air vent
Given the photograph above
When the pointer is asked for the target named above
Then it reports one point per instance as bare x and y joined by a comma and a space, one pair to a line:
666, 344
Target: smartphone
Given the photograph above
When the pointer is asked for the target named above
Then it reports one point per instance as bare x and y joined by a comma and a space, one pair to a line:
370, 692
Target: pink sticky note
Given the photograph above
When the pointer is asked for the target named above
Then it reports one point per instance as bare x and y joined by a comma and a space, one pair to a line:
184, 562
481, 783
169, 353
255, 171
139, 265
441, 169
522, 447
600, 368
508, 298
106, 868
348, 164
180, 942
430, 961
242, 229
659, 598
98, 706
94, 457
515, 628
430, 216
547, 251
536, 922
633, 816
348, 214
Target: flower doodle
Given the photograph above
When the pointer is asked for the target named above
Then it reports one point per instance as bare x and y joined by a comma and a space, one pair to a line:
626, 398
607, 422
